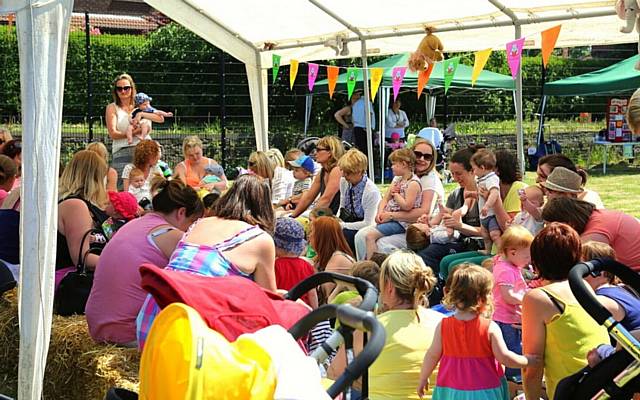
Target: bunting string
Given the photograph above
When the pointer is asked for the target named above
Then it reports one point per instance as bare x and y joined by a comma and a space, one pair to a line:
513, 50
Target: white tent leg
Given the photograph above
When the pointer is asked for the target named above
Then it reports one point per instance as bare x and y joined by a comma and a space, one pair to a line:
367, 107
518, 104
43, 34
430, 106
257, 78
307, 112
383, 127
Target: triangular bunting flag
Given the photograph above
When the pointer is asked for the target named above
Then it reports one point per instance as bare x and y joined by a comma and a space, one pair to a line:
397, 75
450, 66
352, 76
332, 76
481, 58
549, 39
376, 78
312, 74
275, 64
293, 72
423, 78
514, 55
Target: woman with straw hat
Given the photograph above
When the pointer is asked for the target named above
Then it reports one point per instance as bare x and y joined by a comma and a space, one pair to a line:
562, 182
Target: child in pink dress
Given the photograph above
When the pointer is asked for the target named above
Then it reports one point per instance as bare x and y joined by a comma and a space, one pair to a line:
468, 346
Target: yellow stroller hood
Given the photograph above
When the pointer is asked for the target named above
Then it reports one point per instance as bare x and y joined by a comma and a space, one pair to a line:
185, 359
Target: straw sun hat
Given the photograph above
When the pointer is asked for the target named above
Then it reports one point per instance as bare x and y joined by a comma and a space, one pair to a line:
563, 180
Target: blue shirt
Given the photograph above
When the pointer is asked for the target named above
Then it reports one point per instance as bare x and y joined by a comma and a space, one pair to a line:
358, 116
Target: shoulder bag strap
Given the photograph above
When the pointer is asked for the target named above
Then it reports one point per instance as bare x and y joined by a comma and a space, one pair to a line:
82, 258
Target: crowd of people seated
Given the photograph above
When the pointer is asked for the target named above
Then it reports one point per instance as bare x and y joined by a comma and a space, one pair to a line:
470, 281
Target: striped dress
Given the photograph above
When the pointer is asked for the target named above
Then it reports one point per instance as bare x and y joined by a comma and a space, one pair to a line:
468, 368
196, 259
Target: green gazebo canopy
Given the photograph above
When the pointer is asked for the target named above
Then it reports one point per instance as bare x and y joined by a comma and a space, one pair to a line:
462, 78
615, 78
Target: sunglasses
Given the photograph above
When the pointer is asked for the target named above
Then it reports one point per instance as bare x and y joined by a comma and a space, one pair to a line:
322, 149
426, 156
252, 164
123, 88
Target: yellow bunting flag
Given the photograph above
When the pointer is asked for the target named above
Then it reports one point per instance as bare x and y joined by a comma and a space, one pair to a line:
423, 78
332, 75
549, 39
293, 72
376, 78
481, 58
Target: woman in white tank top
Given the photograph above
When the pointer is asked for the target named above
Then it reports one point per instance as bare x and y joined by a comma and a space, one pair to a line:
117, 118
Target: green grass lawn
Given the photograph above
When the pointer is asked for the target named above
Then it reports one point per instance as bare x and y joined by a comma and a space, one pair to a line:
619, 190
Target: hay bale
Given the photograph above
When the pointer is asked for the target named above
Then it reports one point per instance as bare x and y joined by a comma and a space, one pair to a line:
77, 368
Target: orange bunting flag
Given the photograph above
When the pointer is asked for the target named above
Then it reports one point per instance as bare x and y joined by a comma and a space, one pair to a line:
332, 75
481, 58
293, 72
376, 78
549, 39
423, 78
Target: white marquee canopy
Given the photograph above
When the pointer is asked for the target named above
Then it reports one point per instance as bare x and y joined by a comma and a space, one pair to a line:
252, 30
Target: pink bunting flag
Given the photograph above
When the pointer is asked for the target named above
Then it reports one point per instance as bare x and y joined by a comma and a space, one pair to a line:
514, 55
312, 74
397, 77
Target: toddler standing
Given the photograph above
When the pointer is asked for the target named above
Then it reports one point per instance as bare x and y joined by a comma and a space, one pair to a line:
509, 287
483, 163
468, 346
404, 194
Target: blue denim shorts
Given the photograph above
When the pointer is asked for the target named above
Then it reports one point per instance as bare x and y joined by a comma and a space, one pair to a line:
390, 228
513, 338
490, 223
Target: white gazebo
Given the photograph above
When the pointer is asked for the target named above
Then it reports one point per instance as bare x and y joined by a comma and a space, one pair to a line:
299, 29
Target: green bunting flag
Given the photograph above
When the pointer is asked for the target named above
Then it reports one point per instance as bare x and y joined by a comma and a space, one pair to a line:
352, 76
275, 65
449, 66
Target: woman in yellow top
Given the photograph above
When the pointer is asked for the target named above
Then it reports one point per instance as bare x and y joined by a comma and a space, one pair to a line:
404, 283
554, 325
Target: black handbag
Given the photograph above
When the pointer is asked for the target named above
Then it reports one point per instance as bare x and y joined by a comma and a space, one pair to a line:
74, 289
349, 215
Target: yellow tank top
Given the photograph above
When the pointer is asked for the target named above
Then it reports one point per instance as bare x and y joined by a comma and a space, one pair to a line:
396, 372
569, 337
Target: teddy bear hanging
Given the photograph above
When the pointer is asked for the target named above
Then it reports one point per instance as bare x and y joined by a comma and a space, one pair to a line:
428, 52
629, 10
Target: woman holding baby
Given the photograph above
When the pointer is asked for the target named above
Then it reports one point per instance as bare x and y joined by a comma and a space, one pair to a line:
117, 116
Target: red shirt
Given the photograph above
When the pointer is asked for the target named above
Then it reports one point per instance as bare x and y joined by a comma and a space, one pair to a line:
290, 271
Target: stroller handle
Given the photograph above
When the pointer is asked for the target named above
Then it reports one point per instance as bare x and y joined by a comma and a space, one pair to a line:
586, 297
368, 292
356, 319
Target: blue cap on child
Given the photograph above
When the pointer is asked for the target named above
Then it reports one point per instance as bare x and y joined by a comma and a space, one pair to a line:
215, 169
305, 162
141, 98
289, 235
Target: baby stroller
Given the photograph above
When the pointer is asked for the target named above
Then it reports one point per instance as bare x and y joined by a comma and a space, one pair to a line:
617, 376
308, 145
344, 333
200, 338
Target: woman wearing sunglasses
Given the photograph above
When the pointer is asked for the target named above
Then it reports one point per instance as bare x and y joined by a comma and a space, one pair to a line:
432, 195
117, 117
